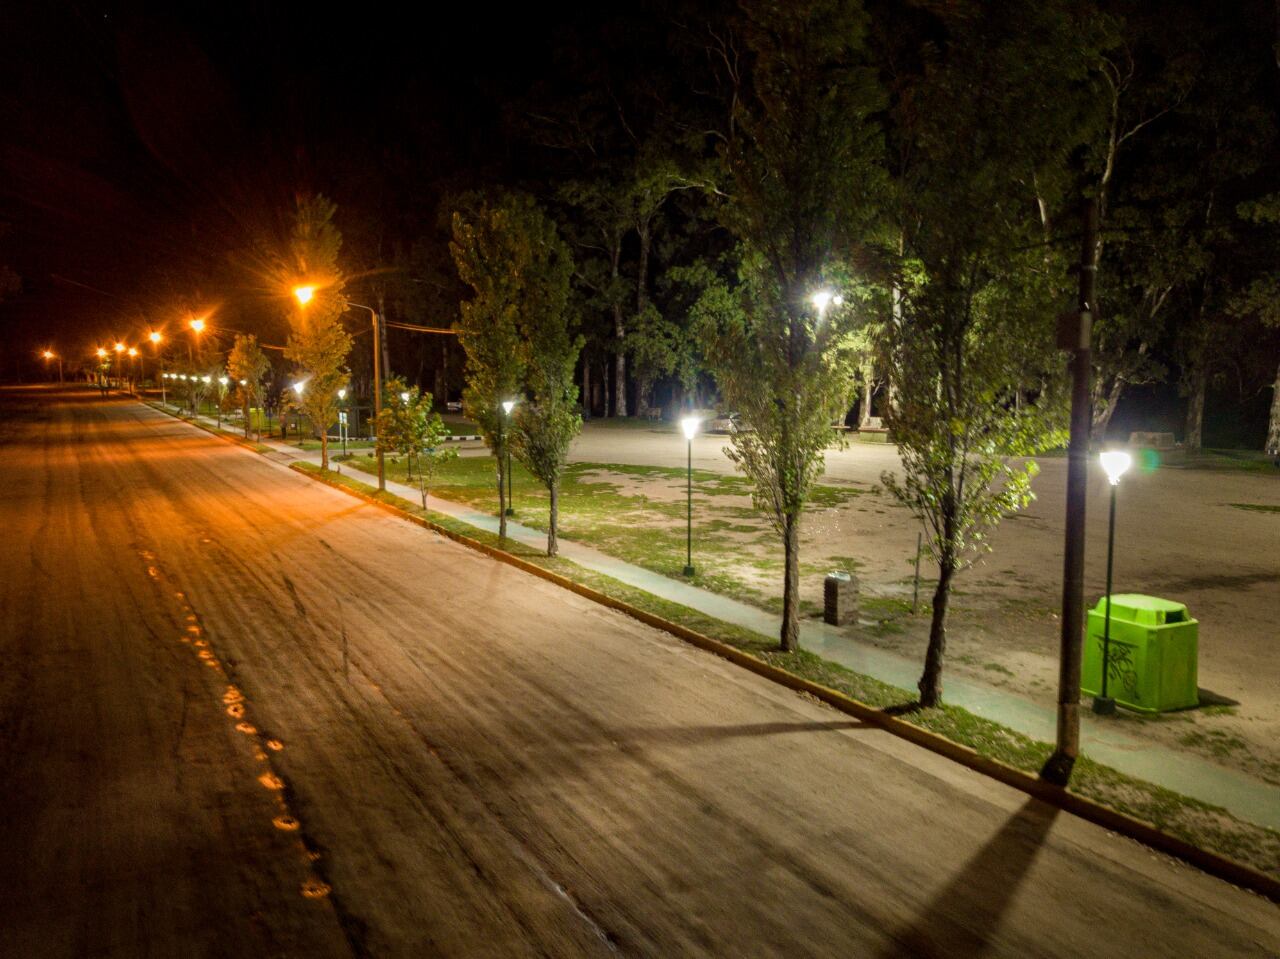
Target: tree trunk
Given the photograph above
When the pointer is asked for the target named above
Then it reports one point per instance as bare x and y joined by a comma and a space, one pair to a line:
553, 544
791, 586
619, 333
1273, 427
643, 389
246, 417
866, 401
1103, 411
586, 388
930, 685
1195, 411
324, 449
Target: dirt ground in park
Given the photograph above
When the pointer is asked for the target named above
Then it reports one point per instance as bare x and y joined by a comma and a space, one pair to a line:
1179, 535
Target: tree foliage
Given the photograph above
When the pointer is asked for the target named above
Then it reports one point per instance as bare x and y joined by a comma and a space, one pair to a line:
803, 161
972, 348
248, 366
318, 343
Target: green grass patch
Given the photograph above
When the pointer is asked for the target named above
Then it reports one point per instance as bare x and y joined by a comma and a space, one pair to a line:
1256, 507
1199, 823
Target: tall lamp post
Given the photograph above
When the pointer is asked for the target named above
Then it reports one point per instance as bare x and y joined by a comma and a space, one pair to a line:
690, 426
342, 419
133, 366
305, 294
222, 393
119, 350
1114, 463
507, 407
50, 355
155, 337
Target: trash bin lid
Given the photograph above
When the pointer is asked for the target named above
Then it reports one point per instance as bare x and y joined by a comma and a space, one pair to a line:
1148, 610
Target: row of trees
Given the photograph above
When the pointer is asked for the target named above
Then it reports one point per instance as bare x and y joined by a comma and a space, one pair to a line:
695, 221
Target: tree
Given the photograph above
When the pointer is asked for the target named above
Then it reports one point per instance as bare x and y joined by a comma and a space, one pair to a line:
318, 342
492, 250
801, 152
248, 366
549, 420
407, 426
971, 348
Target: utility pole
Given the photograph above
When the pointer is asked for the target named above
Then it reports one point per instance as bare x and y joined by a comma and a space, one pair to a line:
1074, 333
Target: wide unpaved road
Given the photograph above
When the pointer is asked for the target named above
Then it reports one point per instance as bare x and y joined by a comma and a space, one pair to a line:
244, 715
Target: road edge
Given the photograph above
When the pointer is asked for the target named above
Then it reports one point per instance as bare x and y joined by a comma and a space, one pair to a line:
1215, 864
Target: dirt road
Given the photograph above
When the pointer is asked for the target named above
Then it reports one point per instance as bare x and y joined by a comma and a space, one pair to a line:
242, 714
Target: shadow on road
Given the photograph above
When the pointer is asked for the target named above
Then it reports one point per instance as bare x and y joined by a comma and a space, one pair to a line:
696, 734
961, 919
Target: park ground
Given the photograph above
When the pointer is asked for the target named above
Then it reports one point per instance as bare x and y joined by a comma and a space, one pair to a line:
1203, 533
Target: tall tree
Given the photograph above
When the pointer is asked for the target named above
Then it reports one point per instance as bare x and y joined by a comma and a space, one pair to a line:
977, 287
248, 366
548, 420
318, 343
802, 153
493, 249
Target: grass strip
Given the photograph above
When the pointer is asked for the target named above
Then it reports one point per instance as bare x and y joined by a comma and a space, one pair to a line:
1201, 825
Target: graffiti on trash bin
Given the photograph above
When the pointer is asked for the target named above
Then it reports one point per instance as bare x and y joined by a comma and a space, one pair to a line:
1120, 670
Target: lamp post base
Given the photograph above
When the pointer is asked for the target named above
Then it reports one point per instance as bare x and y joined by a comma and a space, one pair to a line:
1104, 705
688, 570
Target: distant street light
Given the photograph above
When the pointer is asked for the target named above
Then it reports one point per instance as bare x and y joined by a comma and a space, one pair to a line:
1115, 463
507, 407
155, 337
690, 426
50, 355
222, 392
197, 324
304, 294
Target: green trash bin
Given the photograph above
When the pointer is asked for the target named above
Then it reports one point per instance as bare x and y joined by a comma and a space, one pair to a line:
1152, 664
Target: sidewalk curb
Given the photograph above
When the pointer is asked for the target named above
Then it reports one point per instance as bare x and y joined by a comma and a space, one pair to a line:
1212, 863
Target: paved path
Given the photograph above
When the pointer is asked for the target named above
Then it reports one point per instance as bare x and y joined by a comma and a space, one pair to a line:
1244, 796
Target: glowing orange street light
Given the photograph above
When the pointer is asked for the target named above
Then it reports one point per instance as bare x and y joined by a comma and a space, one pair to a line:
198, 325
304, 294
47, 354
133, 351
102, 354
155, 337
119, 347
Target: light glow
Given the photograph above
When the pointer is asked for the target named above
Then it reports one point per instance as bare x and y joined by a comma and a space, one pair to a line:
155, 337
299, 386
304, 294
47, 354
119, 347
1115, 463
133, 351
690, 426
342, 393
508, 406
198, 325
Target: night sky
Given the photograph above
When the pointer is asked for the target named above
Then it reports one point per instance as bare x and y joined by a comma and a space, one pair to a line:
141, 147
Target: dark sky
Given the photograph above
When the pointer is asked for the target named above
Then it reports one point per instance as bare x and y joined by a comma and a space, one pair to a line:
140, 146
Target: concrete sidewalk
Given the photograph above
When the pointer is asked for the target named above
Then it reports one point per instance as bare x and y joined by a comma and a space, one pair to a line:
1248, 798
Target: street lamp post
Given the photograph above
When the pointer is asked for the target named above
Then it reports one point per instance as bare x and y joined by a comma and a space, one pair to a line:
50, 355
222, 392
133, 366
1115, 463
690, 426
507, 407
342, 420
